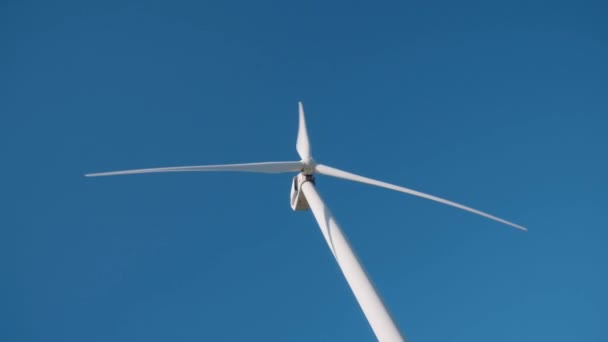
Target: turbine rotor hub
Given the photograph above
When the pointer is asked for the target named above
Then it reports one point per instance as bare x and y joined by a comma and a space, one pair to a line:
308, 166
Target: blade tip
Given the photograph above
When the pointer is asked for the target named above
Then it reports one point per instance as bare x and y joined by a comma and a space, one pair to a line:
89, 175
522, 228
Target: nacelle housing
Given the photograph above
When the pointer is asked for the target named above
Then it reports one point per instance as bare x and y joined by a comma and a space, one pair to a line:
298, 200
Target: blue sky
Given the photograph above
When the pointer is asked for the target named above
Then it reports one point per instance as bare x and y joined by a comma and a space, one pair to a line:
499, 106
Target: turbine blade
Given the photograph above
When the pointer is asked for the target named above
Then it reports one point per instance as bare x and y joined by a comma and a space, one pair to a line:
302, 144
330, 171
266, 167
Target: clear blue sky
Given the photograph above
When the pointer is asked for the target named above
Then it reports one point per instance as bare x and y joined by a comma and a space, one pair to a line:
502, 107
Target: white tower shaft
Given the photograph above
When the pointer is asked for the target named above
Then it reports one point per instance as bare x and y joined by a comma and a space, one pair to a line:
374, 309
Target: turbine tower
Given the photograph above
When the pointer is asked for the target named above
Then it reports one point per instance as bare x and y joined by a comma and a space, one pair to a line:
304, 196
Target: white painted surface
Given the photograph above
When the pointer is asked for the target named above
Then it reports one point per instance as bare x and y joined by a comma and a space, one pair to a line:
374, 309
302, 143
263, 167
332, 171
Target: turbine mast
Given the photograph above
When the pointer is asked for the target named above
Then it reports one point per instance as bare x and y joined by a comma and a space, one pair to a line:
375, 311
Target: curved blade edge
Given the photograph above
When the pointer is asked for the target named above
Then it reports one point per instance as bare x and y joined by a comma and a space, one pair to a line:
264, 167
330, 171
302, 143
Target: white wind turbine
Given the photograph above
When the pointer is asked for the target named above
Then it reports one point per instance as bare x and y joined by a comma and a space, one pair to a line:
304, 196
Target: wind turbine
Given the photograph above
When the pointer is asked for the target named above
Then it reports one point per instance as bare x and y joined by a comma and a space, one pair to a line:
304, 196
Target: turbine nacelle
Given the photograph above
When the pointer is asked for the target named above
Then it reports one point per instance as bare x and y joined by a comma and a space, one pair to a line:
297, 197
